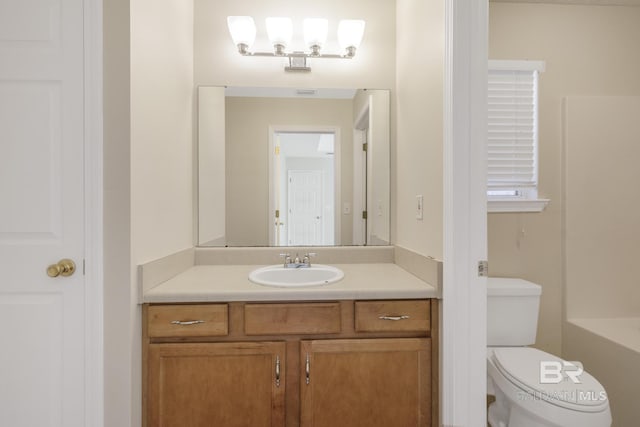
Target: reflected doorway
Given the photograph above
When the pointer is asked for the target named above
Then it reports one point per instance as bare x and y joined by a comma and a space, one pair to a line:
303, 187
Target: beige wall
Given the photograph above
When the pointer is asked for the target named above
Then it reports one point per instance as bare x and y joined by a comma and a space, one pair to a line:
247, 147
419, 145
148, 81
211, 166
119, 296
378, 167
589, 50
161, 128
378, 105
602, 206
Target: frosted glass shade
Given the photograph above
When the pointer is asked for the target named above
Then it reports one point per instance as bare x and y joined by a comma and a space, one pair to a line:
280, 31
242, 29
350, 32
315, 31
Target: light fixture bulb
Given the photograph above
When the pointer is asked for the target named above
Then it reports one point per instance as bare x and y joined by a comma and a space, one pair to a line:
350, 32
315, 33
243, 31
280, 32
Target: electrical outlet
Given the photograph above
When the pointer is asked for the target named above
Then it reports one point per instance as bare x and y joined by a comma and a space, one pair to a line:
419, 207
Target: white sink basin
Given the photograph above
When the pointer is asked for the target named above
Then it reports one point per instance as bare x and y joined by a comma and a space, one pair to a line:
277, 275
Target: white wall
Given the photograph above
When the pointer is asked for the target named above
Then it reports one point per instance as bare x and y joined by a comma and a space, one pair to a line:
589, 50
419, 125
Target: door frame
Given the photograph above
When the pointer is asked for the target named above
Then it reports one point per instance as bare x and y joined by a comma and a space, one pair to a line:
337, 181
361, 174
464, 302
93, 199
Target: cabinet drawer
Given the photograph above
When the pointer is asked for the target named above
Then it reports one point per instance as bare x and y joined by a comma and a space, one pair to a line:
187, 320
392, 316
294, 318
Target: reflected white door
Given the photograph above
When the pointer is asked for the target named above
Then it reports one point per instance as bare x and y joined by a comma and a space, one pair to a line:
42, 324
305, 208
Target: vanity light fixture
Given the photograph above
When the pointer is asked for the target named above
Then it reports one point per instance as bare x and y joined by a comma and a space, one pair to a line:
280, 32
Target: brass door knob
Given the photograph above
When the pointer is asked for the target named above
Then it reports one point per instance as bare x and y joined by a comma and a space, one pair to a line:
64, 267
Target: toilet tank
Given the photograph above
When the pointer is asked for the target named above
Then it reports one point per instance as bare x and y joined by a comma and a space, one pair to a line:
512, 311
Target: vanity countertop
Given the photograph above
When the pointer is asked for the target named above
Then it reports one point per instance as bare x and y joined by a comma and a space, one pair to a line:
202, 283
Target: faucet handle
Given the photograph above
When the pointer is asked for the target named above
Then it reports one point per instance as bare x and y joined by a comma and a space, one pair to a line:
307, 258
287, 258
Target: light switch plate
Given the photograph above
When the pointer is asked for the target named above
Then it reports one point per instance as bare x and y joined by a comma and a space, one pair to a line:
419, 207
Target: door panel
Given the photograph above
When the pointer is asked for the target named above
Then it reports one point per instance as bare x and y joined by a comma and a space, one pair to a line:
305, 208
216, 384
42, 323
366, 383
30, 167
30, 327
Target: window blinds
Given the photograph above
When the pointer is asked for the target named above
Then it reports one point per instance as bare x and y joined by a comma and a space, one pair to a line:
512, 127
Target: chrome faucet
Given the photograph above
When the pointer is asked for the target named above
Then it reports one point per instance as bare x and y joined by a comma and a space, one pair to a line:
296, 262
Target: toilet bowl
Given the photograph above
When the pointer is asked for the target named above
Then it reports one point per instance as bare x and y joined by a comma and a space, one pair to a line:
533, 388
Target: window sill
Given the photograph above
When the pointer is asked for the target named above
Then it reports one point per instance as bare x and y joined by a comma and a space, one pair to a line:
516, 205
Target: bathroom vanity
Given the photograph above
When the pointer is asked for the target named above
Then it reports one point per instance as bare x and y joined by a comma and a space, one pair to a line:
291, 363
219, 350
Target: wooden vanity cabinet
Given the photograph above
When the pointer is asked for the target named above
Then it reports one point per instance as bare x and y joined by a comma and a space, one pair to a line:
316, 364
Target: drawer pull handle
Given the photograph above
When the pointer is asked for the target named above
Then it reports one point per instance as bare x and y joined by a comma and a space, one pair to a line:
277, 371
307, 368
394, 318
187, 323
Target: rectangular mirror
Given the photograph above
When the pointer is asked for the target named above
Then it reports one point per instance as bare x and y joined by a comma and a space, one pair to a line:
293, 167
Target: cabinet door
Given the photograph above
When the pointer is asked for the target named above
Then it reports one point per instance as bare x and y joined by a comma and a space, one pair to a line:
366, 382
216, 385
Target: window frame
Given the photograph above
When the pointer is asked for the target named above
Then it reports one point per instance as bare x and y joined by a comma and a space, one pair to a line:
523, 198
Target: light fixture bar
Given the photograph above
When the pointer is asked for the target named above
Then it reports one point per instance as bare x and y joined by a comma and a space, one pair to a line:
350, 32
296, 54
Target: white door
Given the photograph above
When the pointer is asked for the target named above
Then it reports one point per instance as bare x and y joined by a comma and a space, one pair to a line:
42, 324
305, 208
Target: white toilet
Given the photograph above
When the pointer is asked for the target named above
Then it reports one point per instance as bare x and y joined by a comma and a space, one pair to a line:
528, 395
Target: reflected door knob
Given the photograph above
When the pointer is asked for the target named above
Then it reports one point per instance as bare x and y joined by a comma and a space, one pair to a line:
64, 267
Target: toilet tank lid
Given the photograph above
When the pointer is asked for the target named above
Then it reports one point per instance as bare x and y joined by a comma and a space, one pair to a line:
511, 286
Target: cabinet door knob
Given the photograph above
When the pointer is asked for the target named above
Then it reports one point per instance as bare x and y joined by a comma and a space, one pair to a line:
64, 267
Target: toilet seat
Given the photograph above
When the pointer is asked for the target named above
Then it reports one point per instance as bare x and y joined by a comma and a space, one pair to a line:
522, 367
